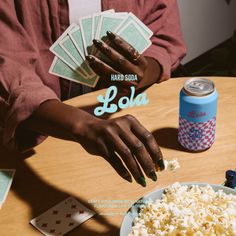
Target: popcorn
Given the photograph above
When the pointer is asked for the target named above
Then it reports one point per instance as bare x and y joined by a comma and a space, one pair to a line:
184, 210
171, 165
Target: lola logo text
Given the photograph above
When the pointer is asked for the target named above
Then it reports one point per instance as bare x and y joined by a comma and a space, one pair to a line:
196, 114
124, 102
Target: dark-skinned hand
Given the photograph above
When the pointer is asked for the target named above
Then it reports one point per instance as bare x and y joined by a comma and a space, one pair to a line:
125, 144
123, 59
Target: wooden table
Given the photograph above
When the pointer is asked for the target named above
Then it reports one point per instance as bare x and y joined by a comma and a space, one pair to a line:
57, 168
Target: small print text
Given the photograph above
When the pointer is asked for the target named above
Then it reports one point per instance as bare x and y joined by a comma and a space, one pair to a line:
124, 77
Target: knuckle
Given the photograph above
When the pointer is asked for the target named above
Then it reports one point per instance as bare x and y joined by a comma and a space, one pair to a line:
107, 131
115, 121
131, 49
107, 49
118, 40
138, 146
140, 74
121, 61
129, 117
148, 136
116, 124
126, 152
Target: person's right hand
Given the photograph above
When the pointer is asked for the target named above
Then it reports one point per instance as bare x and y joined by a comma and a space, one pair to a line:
123, 141
124, 138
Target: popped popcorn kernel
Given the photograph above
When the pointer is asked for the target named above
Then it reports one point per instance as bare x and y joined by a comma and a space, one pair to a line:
171, 165
188, 210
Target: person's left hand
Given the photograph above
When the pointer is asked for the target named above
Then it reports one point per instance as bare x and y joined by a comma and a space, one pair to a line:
123, 59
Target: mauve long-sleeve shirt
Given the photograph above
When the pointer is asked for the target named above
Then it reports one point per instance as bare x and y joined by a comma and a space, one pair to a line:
29, 28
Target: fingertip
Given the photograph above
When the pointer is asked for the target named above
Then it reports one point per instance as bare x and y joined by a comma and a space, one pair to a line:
128, 178
161, 164
97, 43
110, 34
142, 181
90, 58
153, 176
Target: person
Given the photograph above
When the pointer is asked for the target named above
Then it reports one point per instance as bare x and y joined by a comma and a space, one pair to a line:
30, 98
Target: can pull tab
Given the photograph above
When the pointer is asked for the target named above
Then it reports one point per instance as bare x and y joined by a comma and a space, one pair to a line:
196, 85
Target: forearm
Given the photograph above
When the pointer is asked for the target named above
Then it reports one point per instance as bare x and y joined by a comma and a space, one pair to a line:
57, 119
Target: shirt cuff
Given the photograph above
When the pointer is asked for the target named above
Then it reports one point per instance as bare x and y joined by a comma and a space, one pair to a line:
23, 101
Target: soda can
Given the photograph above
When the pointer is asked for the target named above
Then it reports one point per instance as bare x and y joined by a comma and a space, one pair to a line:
197, 114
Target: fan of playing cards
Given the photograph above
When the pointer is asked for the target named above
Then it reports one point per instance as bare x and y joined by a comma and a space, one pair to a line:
75, 43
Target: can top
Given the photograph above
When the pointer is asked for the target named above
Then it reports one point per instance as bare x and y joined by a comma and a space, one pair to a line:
199, 87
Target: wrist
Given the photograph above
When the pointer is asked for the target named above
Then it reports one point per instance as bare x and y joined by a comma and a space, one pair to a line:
82, 124
59, 120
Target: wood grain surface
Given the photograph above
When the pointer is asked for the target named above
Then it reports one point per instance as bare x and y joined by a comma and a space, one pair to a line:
57, 168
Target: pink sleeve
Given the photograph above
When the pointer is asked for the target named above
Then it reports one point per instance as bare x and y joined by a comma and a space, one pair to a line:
167, 47
21, 89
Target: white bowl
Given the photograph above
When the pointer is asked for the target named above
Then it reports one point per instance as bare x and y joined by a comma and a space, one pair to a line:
157, 194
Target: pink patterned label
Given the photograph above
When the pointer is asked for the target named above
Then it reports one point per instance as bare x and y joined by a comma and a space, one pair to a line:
196, 136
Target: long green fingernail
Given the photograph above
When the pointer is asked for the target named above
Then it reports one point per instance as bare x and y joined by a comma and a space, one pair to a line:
153, 175
97, 43
110, 35
90, 58
161, 164
142, 181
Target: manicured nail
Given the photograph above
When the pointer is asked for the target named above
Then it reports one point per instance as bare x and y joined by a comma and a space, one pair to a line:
97, 43
142, 181
110, 35
128, 178
90, 59
153, 175
161, 164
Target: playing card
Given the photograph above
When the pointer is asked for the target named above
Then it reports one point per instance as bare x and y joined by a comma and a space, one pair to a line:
61, 69
109, 22
60, 53
6, 177
96, 20
132, 18
86, 25
132, 33
62, 218
76, 37
58, 50
69, 47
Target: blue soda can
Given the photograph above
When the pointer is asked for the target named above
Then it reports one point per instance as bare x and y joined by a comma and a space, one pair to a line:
197, 114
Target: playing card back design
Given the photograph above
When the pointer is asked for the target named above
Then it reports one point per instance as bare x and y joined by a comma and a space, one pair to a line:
62, 218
